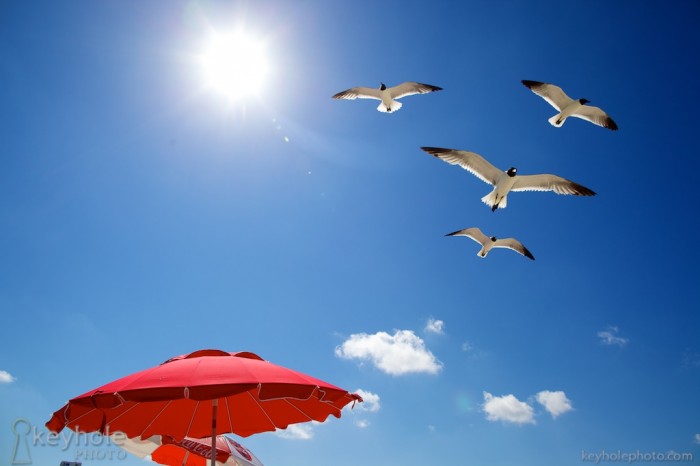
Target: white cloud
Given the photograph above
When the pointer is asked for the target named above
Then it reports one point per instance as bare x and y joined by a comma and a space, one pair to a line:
609, 337
362, 423
507, 408
296, 432
555, 403
6, 377
398, 354
697, 438
435, 326
370, 401
466, 346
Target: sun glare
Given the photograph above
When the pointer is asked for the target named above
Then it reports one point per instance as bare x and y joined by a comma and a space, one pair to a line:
235, 65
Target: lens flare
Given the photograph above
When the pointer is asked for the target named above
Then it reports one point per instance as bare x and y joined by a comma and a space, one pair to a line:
235, 64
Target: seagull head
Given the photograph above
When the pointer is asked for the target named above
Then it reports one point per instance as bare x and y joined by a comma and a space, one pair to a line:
493, 238
512, 171
583, 101
382, 87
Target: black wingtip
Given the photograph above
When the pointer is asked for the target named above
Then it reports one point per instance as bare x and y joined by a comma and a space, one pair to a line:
610, 124
430, 87
453, 233
583, 191
435, 151
530, 84
528, 254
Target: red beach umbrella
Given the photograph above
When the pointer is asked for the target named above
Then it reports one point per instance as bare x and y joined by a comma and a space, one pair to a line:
208, 392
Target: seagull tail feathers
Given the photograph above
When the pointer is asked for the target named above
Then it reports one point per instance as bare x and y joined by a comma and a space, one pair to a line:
490, 200
553, 121
395, 105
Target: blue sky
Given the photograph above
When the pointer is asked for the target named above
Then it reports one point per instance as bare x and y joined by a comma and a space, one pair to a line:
143, 215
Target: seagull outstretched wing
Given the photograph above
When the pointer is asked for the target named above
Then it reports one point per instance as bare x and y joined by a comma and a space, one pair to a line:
411, 88
554, 95
470, 161
515, 245
473, 233
596, 116
550, 183
359, 93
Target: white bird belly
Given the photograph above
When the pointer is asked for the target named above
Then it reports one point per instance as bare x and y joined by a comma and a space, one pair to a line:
388, 103
558, 119
499, 195
485, 249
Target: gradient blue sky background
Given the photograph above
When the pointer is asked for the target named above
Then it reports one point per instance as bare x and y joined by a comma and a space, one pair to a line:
143, 216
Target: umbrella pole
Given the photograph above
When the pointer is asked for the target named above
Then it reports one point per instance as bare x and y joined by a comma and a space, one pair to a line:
214, 404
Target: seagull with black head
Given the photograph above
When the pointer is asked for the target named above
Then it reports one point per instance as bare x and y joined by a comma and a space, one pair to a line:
488, 243
566, 106
387, 95
504, 182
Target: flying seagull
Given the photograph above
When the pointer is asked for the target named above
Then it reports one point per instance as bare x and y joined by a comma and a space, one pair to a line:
489, 243
387, 95
505, 181
567, 106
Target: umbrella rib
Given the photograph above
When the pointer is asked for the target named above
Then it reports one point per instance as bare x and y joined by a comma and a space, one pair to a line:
120, 415
295, 407
156, 416
228, 413
286, 400
257, 402
194, 413
320, 401
74, 421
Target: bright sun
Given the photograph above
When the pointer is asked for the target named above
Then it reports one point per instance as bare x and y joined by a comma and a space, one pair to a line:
235, 65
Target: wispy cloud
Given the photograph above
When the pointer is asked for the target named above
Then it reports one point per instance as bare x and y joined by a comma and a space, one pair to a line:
691, 359
556, 403
697, 438
473, 352
370, 401
435, 326
370, 404
507, 408
6, 377
362, 423
401, 353
296, 432
610, 337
